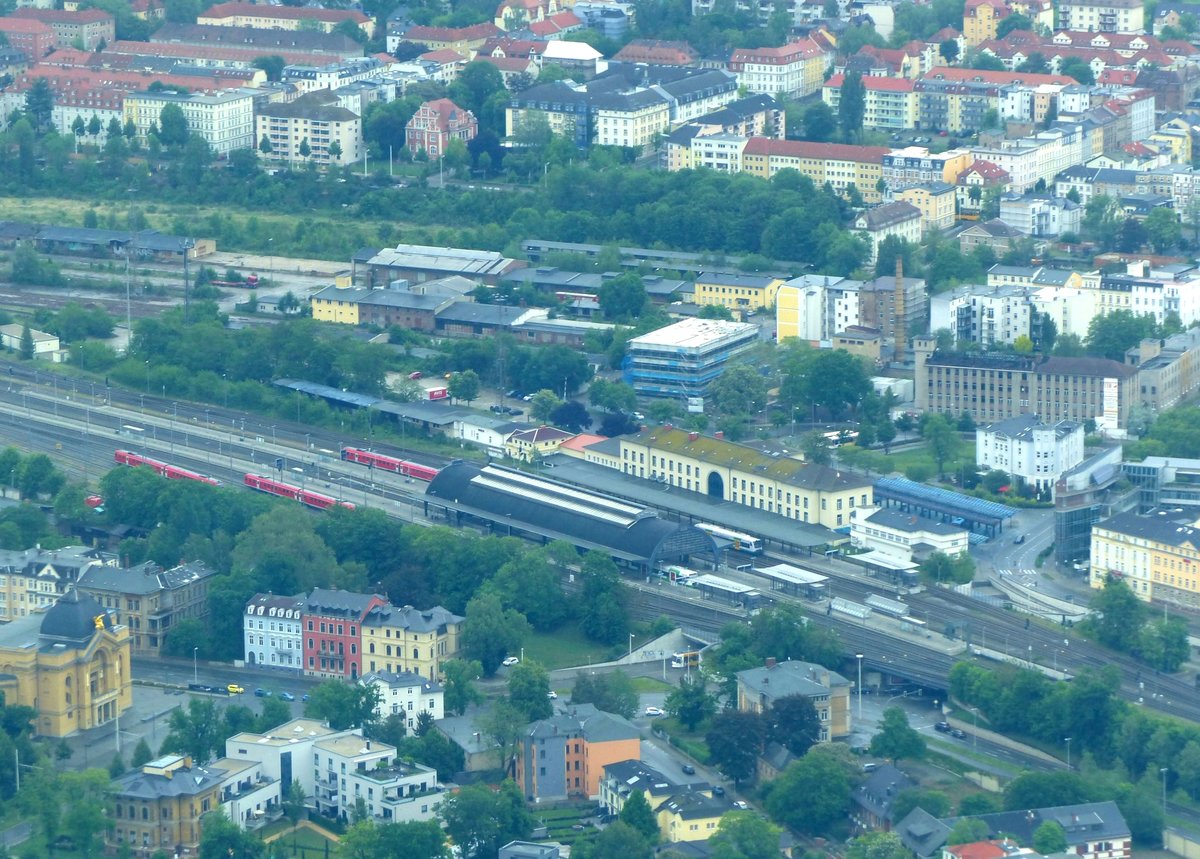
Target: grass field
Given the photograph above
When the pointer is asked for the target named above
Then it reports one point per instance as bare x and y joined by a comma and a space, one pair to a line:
564, 649
903, 459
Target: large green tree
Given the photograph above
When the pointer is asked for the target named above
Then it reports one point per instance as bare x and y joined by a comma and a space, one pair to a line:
896, 739
1111, 334
852, 106
481, 819
343, 705
491, 632
735, 739
743, 835
813, 793
690, 702
529, 690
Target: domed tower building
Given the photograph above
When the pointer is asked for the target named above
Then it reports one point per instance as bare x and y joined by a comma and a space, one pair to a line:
71, 664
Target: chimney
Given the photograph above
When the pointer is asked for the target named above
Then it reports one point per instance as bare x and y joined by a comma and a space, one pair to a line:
899, 332
692, 436
719, 434
770, 662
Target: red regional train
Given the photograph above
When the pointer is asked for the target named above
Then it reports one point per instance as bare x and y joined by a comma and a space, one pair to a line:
296, 493
389, 463
171, 472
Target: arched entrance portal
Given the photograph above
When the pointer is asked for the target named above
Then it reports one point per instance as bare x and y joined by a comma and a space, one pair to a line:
716, 485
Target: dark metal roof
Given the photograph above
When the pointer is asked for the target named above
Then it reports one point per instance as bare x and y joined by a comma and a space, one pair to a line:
537, 505
75, 618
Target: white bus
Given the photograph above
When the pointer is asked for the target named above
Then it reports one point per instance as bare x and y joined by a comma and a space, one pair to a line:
131, 430
741, 542
686, 659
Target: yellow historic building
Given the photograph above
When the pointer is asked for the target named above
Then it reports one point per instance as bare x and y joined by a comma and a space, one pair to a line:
736, 291
734, 472
1158, 556
160, 805
70, 664
399, 639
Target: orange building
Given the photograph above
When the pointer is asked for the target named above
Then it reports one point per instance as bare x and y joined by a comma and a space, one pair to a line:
563, 757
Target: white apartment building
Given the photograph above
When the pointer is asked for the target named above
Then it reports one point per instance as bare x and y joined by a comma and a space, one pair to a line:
721, 152
225, 120
899, 219
814, 307
272, 628
985, 315
1139, 291
1104, 16
1025, 447
1071, 307
335, 768
1040, 215
795, 69
903, 535
406, 694
313, 78
1040, 156
314, 121
635, 120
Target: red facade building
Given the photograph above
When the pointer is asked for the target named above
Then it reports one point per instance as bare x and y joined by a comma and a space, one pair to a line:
332, 632
435, 124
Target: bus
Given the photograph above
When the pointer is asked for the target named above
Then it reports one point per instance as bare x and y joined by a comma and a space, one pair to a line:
841, 437
132, 431
685, 659
741, 542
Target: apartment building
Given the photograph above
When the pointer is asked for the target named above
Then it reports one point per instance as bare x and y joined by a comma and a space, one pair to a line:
406, 694
793, 70
994, 387
977, 180
987, 316
759, 688
683, 359
564, 756
149, 600
890, 104
1102, 16
632, 120
815, 308
308, 77
86, 28
1040, 215
273, 627
898, 218
1026, 447
159, 805
841, 165
1168, 369
916, 164
741, 475
332, 638
981, 18
688, 148
32, 580
33, 38
283, 17
1142, 291
407, 640
936, 201
877, 305
312, 128
225, 120
1156, 554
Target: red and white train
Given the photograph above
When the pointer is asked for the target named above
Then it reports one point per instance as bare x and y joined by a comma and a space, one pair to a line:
389, 463
296, 493
171, 472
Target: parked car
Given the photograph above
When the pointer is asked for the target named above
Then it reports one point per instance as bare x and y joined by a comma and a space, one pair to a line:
718, 790
552, 695
287, 696
740, 804
234, 689
1020, 539
958, 733
262, 693
304, 697
688, 769
511, 660
870, 767
498, 410
943, 727
655, 711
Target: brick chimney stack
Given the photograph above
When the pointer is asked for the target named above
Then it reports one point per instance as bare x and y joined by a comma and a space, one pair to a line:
899, 333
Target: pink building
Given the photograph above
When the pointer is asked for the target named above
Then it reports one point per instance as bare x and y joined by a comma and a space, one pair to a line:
435, 124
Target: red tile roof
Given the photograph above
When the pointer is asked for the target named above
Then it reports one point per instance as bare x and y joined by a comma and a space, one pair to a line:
810, 149
443, 56
61, 16
876, 83
790, 53
987, 171
422, 33
290, 13
947, 73
978, 850
658, 51
24, 25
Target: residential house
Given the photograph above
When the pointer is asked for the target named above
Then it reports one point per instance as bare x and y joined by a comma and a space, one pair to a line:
982, 177
875, 797
981, 18
995, 234
407, 695
759, 688
435, 124
160, 804
899, 219
274, 630
1040, 215
564, 755
690, 816
936, 201
532, 444
1025, 447
332, 623
905, 536
403, 639
793, 70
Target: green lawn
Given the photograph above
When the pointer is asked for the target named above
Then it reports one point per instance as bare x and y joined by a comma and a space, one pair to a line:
565, 648
902, 459
649, 684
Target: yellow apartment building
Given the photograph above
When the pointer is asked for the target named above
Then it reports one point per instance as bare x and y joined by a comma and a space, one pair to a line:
937, 201
746, 292
399, 639
758, 688
159, 806
839, 164
1157, 556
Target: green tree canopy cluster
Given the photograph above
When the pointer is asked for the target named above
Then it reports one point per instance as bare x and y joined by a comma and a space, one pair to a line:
1123, 622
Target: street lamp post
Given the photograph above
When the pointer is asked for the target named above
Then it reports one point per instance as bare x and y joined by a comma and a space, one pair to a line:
975, 728
631, 645
1068, 742
195, 666
859, 657
1164, 772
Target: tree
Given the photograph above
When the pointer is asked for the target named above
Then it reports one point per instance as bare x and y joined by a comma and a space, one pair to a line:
949, 50
815, 448
742, 835
985, 61
272, 64
618, 841
943, 440
1163, 226
1035, 63
481, 820
1013, 22
622, 298
304, 150
690, 703
879, 845
939, 567
852, 106
612, 396
335, 152
265, 146
735, 739
26, 348
739, 390
78, 126
813, 793
603, 614
193, 731
636, 813
221, 838
936, 803
967, 831
39, 104
613, 692
1078, 68
896, 739
793, 722
820, 123
1117, 615
464, 386
543, 403
490, 633
172, 126
343, 705
529, 690
141, 754
571, 416
1049, 838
